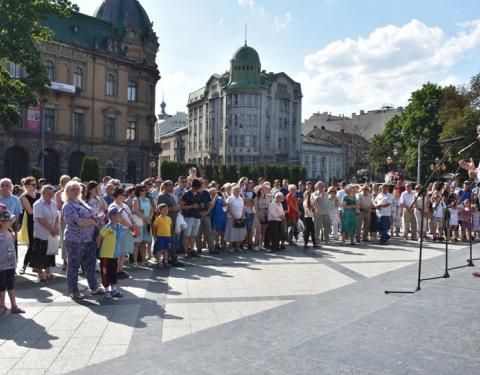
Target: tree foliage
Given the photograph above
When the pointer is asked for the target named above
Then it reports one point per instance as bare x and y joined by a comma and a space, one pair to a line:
90, 169
433, 114
21, 31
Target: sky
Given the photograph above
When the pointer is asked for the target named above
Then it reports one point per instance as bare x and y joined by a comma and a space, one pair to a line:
347, 54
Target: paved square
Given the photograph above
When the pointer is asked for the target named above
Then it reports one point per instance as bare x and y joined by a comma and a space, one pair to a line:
208, 297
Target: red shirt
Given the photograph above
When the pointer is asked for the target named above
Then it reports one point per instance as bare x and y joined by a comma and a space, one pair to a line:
292, 206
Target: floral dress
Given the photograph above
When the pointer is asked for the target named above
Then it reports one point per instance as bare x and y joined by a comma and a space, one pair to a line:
349, 219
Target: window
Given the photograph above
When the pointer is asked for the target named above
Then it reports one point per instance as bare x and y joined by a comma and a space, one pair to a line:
110, 126
242, 141
78, 124
235, 99
15, 70
110, 85
132, 91
49, 120
78, 77
131, 130
254, 141
247, 141
50, 70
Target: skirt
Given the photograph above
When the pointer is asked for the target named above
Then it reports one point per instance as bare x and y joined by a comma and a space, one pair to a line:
234, 234
145, 235
39, 258
127, 242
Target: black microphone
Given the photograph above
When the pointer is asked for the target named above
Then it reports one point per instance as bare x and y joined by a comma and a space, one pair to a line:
467, 148
451, 140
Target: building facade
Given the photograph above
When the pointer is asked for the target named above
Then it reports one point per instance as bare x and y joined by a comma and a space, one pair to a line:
101, 101
173, 145
365, 124
245, 116
322, 157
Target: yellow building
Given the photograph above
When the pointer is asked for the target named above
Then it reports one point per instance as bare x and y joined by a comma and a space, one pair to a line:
101, 101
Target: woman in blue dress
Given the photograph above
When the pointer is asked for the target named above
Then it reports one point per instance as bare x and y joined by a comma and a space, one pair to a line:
218, 217
142, 209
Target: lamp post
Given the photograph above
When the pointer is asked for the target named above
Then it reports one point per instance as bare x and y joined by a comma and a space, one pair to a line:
389, 161
152, 164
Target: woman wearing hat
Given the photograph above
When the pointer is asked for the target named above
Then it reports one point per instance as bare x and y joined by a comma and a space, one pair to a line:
349, 211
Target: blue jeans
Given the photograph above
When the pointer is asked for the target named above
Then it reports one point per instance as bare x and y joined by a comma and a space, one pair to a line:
384, 225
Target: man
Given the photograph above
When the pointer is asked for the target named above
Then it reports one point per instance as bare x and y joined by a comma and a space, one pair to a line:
180, 189
365, 203
108, 196
341, 193
466, 192
41, 183
322, 216
299, 195
284, 191
205, 229
104, 184
155, 192
12, 204
293, 213
409, 220
191, 206
383, 204
166, 197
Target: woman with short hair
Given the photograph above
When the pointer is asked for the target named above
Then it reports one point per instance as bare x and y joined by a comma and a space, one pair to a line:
58, 198
235, 233
142, 208
80, 223
276, 216
46, 223
28, 198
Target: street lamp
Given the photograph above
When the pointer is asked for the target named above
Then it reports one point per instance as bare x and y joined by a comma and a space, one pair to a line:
152, 166
389, 161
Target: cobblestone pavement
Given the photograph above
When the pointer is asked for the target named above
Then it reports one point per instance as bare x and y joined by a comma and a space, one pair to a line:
162, 307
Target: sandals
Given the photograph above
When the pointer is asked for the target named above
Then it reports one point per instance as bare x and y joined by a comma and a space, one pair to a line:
98, 290
17, 310
3, 309
76, 296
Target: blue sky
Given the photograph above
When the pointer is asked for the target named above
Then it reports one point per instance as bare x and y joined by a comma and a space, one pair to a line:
347, 54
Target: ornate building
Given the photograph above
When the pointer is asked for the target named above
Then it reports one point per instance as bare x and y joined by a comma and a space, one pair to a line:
101, 101
245, 116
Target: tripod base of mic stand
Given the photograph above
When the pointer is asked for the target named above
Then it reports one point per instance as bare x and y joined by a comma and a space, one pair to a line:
402, 291
446, 275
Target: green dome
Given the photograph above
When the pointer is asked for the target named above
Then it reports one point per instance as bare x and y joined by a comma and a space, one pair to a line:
246, 55
125, 14
245, 69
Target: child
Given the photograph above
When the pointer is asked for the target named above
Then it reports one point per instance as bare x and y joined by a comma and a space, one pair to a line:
438, 206
453, 210
110, 238
476, 217
162, 230
466, 220
8, 263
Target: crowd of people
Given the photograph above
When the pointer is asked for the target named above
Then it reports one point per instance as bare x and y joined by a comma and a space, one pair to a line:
110, 225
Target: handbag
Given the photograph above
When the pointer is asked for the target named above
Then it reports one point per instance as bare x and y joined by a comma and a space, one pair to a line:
239, 223
53, 244
23, 233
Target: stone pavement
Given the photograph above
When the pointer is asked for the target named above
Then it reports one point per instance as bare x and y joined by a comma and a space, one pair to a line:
294, 312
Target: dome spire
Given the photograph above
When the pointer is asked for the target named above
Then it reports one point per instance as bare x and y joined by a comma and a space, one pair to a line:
245, 34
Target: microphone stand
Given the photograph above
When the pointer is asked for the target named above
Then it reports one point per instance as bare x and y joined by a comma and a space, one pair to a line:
423, 192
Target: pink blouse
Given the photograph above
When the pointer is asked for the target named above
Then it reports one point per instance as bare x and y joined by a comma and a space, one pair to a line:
275, 212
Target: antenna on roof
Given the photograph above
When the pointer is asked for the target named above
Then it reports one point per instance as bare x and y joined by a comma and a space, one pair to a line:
245, 34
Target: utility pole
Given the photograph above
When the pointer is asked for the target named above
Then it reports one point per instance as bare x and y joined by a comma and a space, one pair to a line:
419, 159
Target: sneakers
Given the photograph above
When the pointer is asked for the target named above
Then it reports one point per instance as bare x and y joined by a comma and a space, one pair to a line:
108, 295
117, 294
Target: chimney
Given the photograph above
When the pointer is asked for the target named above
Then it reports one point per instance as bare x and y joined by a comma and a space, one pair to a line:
322, 127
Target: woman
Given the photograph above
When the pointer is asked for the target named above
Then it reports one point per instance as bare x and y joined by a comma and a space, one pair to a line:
249, 196
276, 216
142, 208
46, 222
28, 198
130, 196
58, 199
373, 228
235, 233
218, 218
421, 211
80, 225
397, 213
309, 213
126, 247
349, 211
98, 205
261, 203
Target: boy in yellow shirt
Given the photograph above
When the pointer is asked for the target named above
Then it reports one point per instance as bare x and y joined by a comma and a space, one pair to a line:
162, 229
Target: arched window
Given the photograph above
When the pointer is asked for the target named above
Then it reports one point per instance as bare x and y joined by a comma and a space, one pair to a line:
110, 127
78, 77
15, 165
132, 91
50, 70
110, 85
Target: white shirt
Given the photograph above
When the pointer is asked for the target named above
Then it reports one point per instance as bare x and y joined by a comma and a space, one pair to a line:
439, 210
236, 206
384, 199
341, 194
47, 211
407, 198
453, 216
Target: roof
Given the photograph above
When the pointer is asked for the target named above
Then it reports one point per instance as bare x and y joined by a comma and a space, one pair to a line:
125, 14
83, 31
348, 137
245, 69
175, 131
320, 137
196, 95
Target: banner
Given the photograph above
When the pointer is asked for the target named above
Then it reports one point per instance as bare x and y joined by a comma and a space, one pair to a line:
33, 120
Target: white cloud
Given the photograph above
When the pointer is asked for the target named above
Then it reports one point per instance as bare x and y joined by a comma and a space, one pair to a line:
245, 3
282, 22
384, 67
220, 21
168, 86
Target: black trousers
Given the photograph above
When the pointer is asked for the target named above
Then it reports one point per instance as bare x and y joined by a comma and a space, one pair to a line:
309, 230
275, 233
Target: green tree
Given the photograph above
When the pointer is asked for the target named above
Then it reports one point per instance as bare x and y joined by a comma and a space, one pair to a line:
21, 30
223, 174
232, 173
35, 172
245, 171
208, 172
90, 169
